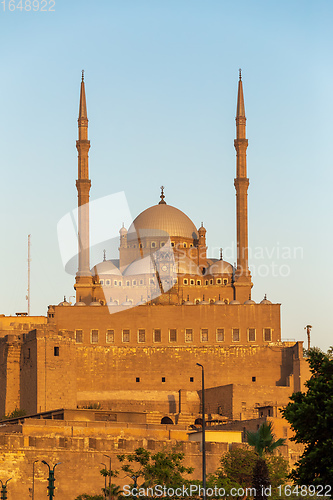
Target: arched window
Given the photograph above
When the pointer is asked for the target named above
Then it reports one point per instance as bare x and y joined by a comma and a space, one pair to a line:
166, 420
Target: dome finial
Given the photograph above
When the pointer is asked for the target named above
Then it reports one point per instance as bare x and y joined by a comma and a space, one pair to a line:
104, 255
82, 75
220, 253
162, 202
240, 73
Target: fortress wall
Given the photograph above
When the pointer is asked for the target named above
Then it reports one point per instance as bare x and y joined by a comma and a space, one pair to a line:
240, 402
165, 317
81, 460
106, 369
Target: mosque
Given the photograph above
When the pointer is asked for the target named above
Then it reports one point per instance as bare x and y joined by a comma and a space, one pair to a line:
143, 321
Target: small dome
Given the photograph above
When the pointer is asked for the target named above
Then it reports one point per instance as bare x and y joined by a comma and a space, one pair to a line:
80, 304
127, 303
234, 302
187, 266
64, 303
219, 302
95, 303
220, 267
249, 301
105, 267
140, 266
265, 300
162, 220
111, 303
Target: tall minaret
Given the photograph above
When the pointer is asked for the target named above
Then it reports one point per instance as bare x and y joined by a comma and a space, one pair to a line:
242, 276
84, 278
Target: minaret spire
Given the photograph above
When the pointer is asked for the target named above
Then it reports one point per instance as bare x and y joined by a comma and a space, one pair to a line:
83, 184
241, 184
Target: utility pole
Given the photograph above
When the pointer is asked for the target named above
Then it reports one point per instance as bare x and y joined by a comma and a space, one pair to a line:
109, 476
203, 431
29, 260
4, 489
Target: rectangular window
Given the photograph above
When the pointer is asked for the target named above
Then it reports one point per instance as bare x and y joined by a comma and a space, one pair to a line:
225, 281
101, 282
173, 335
199, 282
126, 335
110, 336
210, 282
185, 281
220, 335
142, 335
94, 336
206, 282
78, 336
204, 335
252, 334
191, 282
108, 282
267, 334
151, 281
218, 281
157, 335
235, 335
188, 335
56, 350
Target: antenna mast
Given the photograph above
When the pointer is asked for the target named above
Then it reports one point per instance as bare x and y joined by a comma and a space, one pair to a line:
29, 260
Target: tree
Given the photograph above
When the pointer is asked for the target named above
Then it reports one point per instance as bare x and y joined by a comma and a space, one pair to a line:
162, 468
264, 442
310, 415
237, 466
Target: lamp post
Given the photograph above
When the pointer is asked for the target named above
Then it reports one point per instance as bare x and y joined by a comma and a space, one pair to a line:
107, 456
33, 479
4, 489
203, 431
104, 481
51, 479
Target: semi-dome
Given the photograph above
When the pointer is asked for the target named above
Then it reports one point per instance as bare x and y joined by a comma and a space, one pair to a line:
105, 267
265, 300
140, 266
162, 220
220, 267
187, 266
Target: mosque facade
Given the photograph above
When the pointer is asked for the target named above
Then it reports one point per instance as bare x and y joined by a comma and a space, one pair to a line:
143, 321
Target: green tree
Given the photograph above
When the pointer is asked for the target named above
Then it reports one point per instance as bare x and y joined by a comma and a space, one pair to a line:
164, 468
237, 466
310, 415
264, 442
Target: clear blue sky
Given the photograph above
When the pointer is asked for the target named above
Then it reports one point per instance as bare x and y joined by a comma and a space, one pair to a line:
161, 83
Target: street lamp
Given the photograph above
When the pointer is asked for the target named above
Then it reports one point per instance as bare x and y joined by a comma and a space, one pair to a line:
107, 456
51, 479
203, 432
4, 489
104, 481
33, 479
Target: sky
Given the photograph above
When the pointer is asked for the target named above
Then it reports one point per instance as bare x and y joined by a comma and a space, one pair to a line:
161, 85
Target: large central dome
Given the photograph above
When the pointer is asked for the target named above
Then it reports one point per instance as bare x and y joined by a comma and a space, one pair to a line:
164, 218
